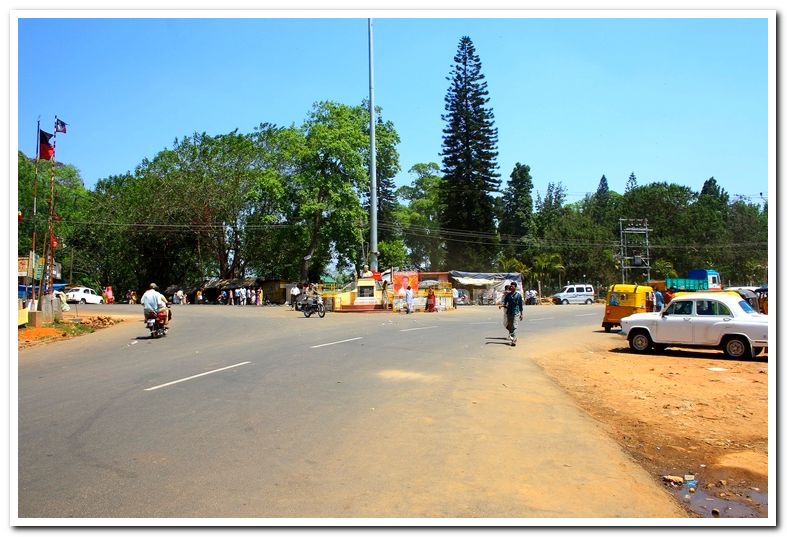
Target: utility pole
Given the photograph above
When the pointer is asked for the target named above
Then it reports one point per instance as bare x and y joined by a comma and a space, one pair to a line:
634, 246
373, 166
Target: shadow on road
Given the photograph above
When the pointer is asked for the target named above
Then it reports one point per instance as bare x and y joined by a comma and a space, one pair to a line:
505, 341
682, 353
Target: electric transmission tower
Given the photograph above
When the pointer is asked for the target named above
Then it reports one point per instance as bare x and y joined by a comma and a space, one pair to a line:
634, 247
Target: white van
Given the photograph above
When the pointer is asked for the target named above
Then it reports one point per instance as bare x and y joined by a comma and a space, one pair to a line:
575, 293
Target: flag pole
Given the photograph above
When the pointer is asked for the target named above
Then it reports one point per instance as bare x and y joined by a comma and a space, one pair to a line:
50, 279
35, 198
46, 273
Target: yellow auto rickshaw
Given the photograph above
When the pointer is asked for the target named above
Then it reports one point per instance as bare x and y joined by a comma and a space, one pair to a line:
624, 299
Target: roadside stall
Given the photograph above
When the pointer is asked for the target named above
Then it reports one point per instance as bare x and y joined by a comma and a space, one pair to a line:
487, 288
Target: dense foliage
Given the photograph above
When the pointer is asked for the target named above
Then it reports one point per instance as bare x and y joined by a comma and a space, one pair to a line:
469, 164
292, 203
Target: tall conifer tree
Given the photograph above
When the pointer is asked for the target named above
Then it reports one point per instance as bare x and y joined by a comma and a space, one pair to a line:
469, 165
516, 221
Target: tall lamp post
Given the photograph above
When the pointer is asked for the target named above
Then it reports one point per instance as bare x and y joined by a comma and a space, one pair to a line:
373, 166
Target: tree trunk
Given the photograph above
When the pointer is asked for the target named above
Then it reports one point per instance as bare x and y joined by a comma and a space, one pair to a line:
315, 242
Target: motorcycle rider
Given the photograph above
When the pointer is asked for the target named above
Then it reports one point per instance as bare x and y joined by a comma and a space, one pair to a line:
153, 302
312, 295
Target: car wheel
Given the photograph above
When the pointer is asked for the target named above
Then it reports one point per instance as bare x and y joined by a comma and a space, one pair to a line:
736, 347
607, 327
640, 341
82, 301
588, 301
564, 302
101, 301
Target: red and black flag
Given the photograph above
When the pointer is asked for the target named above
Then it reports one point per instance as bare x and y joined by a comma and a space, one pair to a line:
47, 150
60, 125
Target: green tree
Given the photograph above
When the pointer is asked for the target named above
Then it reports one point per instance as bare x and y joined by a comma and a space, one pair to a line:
550, 208
420, 217
516, 221
663, 269
331, 172
469, 164
632, 182
387, 166
546, 266
666, 207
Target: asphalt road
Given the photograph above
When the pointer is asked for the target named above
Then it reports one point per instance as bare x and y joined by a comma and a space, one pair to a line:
259, 412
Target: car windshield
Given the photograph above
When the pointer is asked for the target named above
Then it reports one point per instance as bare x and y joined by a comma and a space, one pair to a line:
746, 307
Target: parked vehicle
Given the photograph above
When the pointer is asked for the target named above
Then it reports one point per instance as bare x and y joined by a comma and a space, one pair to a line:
157, 323
624, 299
83, 295
313, 305
700, 319
575, 293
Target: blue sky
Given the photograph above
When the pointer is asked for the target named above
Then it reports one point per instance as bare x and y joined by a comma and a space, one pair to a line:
676, 100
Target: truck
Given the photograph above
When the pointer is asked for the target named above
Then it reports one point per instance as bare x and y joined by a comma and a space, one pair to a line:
697, 280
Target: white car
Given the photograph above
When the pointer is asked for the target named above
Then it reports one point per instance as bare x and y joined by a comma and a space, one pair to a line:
707, 319
83, 295
576, 293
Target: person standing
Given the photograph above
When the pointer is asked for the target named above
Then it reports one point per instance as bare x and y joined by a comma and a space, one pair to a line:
455, 294
385, 294
668, 293
295, 291
408, 299
659, 299
512, 302
430, 300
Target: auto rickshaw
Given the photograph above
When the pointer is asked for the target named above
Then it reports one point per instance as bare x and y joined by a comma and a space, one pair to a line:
624, 299
762, 298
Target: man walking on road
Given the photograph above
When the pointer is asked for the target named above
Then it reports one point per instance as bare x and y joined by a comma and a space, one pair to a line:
512, 302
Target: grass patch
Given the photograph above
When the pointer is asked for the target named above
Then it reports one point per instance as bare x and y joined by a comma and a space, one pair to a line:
72, 329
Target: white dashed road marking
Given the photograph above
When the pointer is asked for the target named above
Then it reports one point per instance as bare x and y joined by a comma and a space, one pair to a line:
194, 376
335, 342
419, 328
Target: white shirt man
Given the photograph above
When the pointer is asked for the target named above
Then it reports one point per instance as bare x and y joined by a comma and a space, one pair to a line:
152, 301
294, 293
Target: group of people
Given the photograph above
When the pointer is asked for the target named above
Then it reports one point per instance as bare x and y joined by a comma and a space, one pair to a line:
241, 296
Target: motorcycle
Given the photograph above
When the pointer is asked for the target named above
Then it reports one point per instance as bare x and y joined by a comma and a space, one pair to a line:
313, 305
156, 322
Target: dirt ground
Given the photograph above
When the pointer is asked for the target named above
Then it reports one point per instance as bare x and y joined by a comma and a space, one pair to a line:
678, 413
